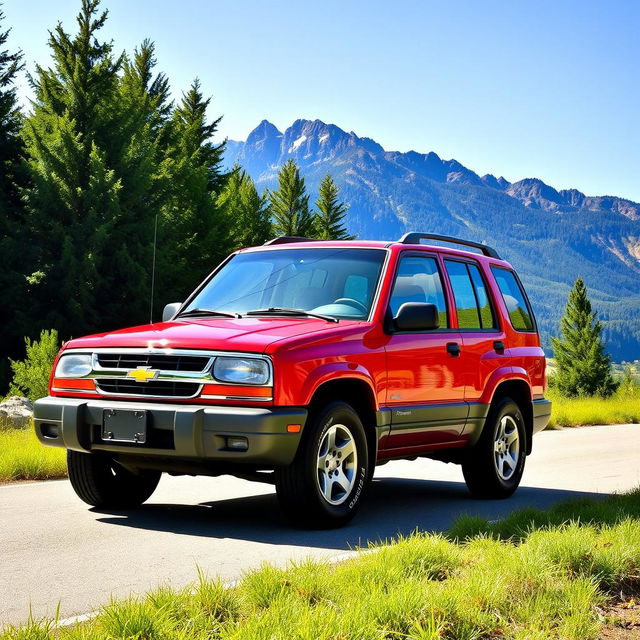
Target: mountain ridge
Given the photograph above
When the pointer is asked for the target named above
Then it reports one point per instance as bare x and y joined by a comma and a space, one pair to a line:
551, 236
530, 191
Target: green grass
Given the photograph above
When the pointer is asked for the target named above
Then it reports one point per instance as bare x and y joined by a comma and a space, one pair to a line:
22, 457
621, 408
536, 575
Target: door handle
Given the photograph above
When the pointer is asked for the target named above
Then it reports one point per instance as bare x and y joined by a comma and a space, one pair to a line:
498, 345
453, 348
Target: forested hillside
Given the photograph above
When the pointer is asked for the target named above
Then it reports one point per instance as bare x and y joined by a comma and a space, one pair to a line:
552, 237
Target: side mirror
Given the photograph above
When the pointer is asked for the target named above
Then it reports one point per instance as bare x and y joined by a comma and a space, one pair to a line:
170, 310
417, 316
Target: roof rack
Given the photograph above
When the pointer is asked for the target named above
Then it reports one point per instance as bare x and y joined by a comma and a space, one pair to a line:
287, 240
414, 238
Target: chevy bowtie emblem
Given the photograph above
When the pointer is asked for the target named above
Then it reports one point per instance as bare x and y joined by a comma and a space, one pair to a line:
143, 374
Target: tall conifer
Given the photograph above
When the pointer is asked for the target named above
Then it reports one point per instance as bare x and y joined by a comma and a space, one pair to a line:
584, 367
194, 234
290, 204
247, 211
329, 220
74, 201
94, 142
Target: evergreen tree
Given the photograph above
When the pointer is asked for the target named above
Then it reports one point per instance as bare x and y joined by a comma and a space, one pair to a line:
584, 367
329, 220
13, 243
194, 232
93, 143
73, 204
247, 211
290, 204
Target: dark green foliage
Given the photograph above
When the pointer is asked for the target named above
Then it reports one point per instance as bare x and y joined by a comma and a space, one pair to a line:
290, 204
330, 218
583, 366
77, 206
12, 178
247, 212
194, 233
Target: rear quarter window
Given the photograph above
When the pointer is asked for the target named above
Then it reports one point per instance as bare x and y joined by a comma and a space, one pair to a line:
514, 299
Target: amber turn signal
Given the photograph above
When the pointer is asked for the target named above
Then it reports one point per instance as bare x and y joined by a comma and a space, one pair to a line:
70, 384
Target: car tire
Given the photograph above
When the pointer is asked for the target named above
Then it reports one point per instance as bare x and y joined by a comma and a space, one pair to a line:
324, 486
493, 468
101, 482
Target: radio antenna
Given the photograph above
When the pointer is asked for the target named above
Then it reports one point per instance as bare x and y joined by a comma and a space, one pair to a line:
153, 268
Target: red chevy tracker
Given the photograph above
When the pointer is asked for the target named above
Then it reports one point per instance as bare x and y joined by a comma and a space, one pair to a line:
306, 364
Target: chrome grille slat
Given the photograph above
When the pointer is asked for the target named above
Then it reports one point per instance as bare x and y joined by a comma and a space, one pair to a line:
162, 362
162, 388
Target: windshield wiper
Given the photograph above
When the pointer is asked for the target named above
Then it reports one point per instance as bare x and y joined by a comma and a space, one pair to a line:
192, 313
283, 311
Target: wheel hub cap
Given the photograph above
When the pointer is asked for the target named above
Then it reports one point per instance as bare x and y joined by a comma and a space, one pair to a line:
506, 447
337, 464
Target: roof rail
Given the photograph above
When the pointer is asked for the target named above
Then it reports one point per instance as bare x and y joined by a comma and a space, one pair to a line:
287, 240
414, 238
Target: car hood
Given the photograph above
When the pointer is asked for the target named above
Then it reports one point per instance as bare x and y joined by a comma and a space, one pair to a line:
221, 334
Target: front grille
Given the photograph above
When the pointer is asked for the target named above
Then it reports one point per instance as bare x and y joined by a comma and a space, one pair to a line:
152, 360
154, 388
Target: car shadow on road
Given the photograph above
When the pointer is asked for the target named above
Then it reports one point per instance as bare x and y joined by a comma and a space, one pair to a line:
393, 506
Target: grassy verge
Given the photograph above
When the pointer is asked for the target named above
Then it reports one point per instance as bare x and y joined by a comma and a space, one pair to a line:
22, 457
620, 408
536, 575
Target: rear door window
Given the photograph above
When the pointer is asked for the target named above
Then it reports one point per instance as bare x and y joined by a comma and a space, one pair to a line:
487, 313
466, 304
473, 305
514, 298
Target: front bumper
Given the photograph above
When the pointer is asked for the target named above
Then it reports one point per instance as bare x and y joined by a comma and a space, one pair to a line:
193, 432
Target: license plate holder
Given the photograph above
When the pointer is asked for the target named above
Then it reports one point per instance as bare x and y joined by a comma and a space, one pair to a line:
124, 425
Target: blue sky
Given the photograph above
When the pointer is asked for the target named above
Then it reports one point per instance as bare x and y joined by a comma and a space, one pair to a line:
544, 88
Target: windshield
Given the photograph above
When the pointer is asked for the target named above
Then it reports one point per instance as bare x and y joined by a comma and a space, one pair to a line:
336, 282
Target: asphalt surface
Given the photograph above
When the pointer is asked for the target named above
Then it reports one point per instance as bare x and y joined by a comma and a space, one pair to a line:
55, 551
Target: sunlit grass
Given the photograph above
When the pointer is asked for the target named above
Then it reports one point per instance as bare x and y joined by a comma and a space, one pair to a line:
23, 457
537, 575
620, 408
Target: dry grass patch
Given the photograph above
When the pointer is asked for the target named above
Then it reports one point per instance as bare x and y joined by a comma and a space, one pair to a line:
23, 457
623, 407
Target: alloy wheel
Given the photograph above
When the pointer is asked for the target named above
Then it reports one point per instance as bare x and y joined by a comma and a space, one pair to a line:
337, 464
506, 447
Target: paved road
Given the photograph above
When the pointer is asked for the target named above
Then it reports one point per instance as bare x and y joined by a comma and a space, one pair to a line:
56, 550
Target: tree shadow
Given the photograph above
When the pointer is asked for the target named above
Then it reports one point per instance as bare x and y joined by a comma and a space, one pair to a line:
392, 507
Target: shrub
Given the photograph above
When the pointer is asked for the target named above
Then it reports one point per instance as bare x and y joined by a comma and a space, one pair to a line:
31, 375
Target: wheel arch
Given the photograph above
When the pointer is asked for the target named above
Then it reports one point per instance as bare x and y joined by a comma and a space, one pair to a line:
519, 391
358, 394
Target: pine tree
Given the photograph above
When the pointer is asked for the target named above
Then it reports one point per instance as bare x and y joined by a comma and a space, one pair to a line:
247, 211
194, 232
13, 243
583, 366
290, 204
73, 204
329, 220
94, 142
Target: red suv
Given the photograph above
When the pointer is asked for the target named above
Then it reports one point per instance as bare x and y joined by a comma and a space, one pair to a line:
305, 364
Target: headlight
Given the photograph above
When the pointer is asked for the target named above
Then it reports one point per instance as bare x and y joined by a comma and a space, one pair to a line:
73, 366
241, 370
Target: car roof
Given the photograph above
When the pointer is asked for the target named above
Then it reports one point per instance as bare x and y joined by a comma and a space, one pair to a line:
373, 244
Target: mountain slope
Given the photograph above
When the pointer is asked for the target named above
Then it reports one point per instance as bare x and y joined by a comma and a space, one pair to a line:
550, 236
